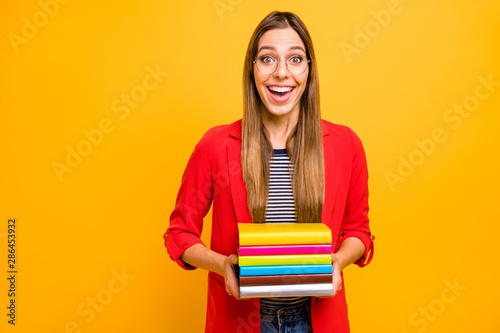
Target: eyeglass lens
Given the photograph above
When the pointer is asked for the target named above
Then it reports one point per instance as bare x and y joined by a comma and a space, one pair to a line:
295, 64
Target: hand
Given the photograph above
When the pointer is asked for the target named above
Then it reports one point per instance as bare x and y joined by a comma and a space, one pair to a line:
337, 279
230, 276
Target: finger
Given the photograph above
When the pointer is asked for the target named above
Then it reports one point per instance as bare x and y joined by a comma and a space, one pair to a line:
230, 287
337, 279
237, 294
232, 290
234, 259
233, 286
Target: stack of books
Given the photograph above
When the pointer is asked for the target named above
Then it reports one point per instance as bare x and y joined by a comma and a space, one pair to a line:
285, 259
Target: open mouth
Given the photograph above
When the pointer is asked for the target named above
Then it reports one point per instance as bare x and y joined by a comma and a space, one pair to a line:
280, 91
280, 94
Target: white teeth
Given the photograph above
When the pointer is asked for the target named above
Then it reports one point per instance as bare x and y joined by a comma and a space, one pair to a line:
281, 89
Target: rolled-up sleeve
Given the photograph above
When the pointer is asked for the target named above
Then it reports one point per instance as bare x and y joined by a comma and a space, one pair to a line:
356, 221
193, 202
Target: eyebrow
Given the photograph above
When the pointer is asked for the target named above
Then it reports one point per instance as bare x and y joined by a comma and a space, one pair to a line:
295, 47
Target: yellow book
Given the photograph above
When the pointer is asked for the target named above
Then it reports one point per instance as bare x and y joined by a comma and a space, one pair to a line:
283, 233
301, 259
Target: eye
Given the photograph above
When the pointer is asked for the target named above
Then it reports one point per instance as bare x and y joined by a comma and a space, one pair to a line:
295, 60
267, 59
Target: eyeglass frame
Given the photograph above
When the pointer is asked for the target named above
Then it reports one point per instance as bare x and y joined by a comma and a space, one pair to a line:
277, 64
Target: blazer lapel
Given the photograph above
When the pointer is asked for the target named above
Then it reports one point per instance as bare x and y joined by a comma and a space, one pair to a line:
238, 189
326, 213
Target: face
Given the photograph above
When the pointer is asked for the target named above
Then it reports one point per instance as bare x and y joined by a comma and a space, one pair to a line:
280, 92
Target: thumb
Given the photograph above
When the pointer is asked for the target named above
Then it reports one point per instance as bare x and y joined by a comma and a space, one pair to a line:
334, 258
233, 258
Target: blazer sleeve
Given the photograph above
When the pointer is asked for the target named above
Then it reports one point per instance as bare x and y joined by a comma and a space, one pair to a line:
193, 202
356, 223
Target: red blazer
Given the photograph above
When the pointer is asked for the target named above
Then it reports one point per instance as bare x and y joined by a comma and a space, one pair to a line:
213, 177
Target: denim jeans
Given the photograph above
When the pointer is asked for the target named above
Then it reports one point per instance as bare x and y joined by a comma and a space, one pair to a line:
286, 320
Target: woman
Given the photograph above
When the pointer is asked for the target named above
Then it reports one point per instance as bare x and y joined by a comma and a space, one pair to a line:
232, 168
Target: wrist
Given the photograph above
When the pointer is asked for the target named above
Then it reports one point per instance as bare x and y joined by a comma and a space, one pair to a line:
340, 260
220, 267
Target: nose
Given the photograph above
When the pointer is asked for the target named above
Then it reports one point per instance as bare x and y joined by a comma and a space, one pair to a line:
282, 70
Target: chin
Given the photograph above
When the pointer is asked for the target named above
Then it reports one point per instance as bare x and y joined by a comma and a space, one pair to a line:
278, 111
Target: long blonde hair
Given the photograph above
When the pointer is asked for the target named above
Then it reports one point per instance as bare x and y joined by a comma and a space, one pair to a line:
305, 143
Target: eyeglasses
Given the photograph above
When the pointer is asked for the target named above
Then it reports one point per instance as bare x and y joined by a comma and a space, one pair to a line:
268, 64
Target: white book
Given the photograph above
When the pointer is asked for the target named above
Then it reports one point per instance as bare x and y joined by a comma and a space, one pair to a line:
306, 289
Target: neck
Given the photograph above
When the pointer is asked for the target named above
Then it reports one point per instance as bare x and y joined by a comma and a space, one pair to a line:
279, 127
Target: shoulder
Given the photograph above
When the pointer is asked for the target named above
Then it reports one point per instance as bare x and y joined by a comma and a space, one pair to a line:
227, 130
343, 143
337, 132
216, 136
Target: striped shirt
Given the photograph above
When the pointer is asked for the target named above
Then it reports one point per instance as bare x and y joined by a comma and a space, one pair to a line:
280, 209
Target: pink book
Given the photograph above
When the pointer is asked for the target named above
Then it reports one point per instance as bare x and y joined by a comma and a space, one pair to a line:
267, 250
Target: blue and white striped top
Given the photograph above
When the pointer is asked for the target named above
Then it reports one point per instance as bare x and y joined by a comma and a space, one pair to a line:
281, 208
280, 205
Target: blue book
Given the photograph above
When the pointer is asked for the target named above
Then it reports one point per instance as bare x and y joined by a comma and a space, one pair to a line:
285, 269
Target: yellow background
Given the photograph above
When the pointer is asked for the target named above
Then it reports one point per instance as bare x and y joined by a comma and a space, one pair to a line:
108, 215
